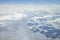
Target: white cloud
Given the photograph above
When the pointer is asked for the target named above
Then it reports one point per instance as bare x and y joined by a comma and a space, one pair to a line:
12, 17
16, 12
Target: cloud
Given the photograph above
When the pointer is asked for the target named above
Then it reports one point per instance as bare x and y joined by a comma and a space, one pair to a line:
11, 18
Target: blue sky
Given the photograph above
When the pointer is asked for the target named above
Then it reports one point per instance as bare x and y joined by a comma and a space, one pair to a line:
43, 2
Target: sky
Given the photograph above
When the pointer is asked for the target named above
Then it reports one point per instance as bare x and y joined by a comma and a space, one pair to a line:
21, 7
13, 13
41, 2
